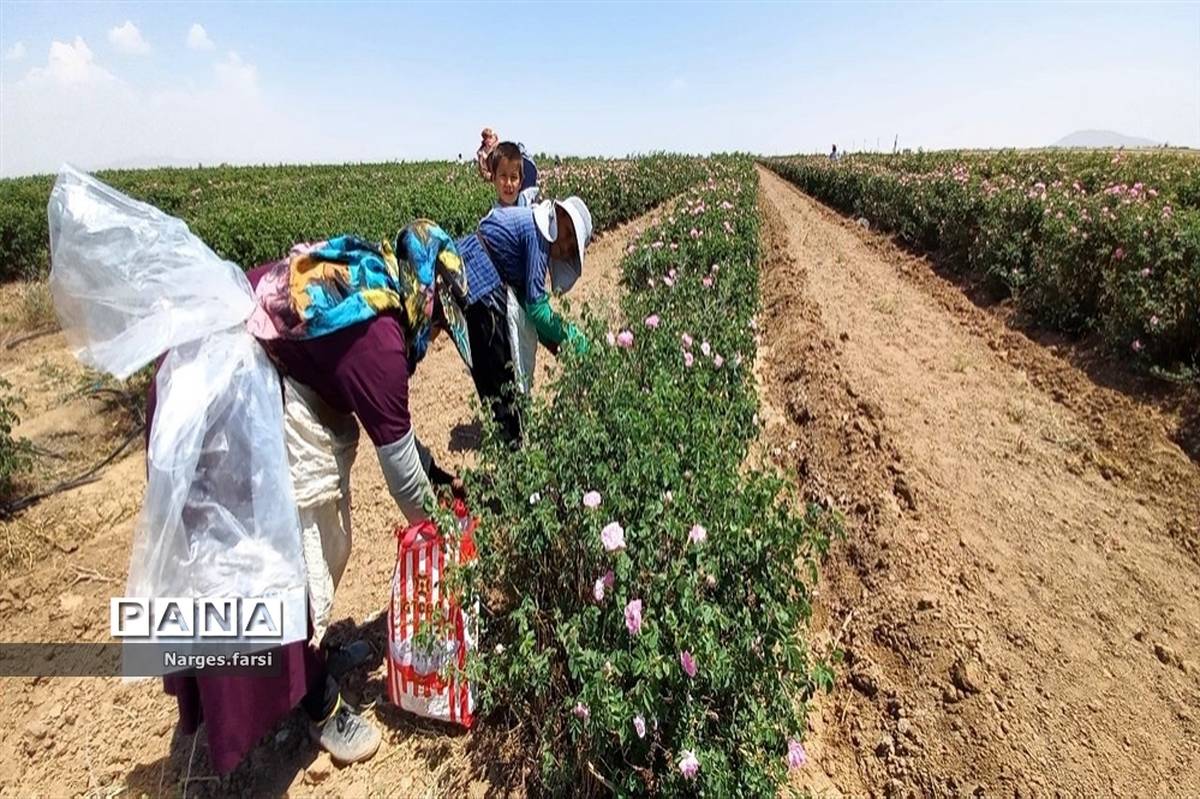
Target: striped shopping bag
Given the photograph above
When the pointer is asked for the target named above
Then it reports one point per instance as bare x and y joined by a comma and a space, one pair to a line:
430, 635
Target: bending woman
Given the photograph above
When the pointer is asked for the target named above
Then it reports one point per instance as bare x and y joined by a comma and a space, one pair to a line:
346, 335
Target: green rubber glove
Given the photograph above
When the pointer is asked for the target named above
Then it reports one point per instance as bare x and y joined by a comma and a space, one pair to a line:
577, 340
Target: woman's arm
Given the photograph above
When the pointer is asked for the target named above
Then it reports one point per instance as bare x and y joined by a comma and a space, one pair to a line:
437, 475
407, 480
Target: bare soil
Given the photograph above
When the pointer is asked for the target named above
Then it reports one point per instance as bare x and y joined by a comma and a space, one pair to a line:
1018, 596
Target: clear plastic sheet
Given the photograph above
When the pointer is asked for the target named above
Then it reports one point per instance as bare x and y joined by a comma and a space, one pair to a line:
129, 283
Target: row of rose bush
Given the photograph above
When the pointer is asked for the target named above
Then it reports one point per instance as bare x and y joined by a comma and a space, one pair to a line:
1081, 252
250, 215
647, 592
1174, 175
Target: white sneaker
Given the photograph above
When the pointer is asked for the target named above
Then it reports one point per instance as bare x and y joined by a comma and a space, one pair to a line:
346, 735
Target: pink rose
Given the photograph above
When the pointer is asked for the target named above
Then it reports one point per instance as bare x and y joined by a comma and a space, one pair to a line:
639, 725
613, 536
603, 582
652, 321
633, 616
796, 756
688, 662
625, 339
591, 500
688, 764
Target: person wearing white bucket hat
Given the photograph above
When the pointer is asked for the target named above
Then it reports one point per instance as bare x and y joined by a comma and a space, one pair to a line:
567, 241
508, 308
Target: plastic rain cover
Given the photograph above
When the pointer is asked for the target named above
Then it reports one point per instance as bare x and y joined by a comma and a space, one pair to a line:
130, 282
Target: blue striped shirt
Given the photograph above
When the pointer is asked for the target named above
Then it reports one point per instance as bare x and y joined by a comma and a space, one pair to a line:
482, 278
521, 254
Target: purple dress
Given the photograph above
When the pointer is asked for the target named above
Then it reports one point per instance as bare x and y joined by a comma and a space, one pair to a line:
362, 370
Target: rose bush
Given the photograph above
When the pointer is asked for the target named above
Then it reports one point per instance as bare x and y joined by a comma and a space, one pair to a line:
1084, 241
644, 619
15, 453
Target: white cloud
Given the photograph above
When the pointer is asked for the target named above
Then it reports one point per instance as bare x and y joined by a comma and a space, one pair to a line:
15, 53
68, 65
236, 75
74, 110
128, 39
197, 38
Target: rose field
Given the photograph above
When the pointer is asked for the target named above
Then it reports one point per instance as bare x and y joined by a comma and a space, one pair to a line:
1085, 241
252, 214
878, 477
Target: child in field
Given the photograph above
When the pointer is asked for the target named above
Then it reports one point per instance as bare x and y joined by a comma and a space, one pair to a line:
513, 174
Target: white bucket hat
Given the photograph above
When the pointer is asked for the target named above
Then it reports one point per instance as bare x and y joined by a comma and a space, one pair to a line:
564, 273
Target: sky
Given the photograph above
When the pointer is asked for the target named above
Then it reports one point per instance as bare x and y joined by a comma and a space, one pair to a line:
103, 84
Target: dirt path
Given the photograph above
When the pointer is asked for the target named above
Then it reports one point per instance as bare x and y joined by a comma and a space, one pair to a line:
1019, 596
70, 736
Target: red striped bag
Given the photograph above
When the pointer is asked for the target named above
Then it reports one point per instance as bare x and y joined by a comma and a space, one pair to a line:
429, 633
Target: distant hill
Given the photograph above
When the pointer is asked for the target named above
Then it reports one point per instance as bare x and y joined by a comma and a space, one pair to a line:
1103, 139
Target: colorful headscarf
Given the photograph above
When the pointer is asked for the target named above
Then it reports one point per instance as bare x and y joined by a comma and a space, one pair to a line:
331, 285
432, 261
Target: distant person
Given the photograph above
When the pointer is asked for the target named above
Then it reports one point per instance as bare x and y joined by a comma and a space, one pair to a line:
488, 142
833, 154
